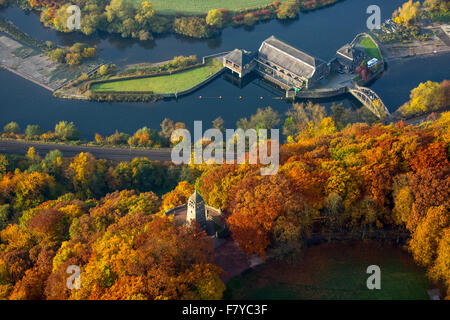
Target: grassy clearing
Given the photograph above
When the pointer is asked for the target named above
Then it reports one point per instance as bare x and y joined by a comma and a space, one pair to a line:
371, 48
334, 271
25, 52
203, 6
173, 83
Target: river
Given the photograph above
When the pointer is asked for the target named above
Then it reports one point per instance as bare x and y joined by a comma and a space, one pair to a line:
319, 32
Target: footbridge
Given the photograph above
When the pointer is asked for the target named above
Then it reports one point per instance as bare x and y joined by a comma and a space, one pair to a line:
371, 100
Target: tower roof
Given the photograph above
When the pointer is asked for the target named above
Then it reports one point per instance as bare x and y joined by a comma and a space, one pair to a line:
196, 197
240, 57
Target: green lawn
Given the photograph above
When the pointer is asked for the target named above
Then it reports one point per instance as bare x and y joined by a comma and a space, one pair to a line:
371, 48
173, 83
333, 272
203, 6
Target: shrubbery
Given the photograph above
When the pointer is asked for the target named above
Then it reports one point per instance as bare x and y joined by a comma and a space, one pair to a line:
192, 27
426, 98
73, 55
288, 10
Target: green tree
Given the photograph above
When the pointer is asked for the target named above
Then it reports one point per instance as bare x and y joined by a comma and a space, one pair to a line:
11, 127
263, 119
67, 131
33, 131
53, 164
120, 9
58, 55
4, 216
3, 165
302, 116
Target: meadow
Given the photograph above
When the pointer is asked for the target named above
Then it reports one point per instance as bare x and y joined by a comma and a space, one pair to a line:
371, 48
203, 6
173, 83
333, 272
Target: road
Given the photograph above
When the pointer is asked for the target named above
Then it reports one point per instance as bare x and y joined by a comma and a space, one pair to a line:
117, 154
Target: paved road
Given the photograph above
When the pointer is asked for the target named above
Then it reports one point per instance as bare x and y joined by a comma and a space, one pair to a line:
21, 148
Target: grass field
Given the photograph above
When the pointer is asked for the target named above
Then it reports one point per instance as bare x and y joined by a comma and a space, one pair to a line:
203, 6
371, 48
173, 83
334, 272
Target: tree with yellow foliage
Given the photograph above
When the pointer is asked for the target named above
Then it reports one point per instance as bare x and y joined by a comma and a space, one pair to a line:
82, 173
428, 234
177, 196
441, 267
32, 155
427, 97
407, 13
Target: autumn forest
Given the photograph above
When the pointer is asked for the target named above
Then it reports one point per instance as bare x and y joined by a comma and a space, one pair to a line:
109, 217
94, 204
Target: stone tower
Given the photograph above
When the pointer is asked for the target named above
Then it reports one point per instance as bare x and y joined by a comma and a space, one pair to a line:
196, 210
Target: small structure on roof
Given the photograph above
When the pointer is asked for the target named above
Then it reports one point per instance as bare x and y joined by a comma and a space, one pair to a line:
240, 61
350, 57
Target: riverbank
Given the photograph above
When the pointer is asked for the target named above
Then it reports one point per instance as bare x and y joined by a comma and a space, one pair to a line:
20, 146
414, 49
423, 36
184, 17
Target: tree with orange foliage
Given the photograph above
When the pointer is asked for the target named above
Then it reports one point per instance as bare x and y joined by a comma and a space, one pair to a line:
154, 260
25, 190
433, 155
43, 3
430, 187
262, 209
308, 180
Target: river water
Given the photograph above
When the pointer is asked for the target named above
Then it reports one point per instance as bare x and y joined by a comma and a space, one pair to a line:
319, 32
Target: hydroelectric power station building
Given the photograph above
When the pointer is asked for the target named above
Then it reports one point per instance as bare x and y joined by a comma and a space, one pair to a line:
279, 63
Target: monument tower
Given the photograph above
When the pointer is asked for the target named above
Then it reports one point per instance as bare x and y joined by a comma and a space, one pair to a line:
196, 210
